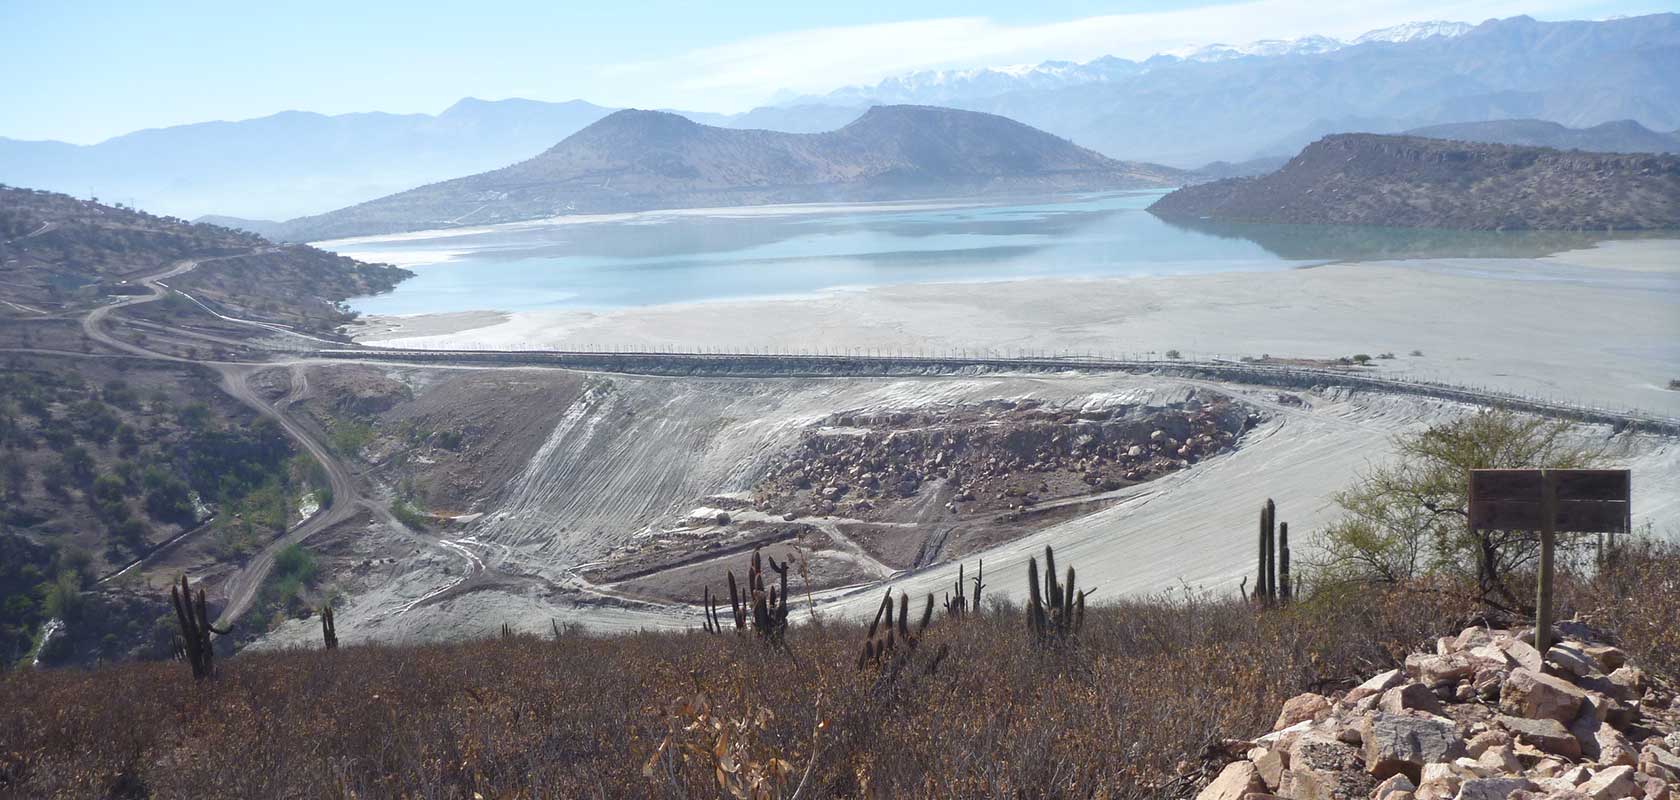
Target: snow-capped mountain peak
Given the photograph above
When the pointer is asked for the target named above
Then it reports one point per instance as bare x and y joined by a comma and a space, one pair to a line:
1306, 45
952, 85
1414, 31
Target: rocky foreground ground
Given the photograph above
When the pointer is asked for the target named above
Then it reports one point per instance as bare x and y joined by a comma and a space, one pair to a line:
1485, 717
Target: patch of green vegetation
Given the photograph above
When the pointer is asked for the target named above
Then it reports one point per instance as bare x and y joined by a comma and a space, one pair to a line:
29, 597
251, 520
295, 570
167, 497
407, 514
349, 436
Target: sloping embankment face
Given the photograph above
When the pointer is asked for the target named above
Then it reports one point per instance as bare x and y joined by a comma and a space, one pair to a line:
631, 458
638, 453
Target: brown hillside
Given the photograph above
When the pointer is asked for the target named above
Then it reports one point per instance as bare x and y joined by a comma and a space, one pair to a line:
639, 160
1413, 182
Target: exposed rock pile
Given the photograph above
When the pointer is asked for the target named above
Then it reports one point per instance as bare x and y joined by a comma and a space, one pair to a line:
1000, 455
1485, 717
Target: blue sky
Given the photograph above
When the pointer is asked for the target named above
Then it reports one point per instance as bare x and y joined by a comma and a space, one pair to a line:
84, 71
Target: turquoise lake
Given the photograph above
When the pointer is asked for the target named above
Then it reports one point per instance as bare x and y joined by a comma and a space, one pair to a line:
687, 256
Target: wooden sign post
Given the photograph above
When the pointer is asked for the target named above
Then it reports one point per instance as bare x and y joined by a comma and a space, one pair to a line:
1549, 501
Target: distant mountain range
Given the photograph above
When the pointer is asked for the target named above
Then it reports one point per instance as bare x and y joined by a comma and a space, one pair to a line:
953, 87
294, 162
1411, 181
1234, 103
639, 160
1621, 136
1270, 99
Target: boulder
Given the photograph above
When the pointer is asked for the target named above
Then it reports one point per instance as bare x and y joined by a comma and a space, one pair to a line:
1608, 658
1272, 764
1375, 686
1611, 784
1500, 760
1411, 696
1237, 780
1528, 693
1284, 739
1548, 735
1575, 776
1471, 638
1493, 788
1570, 660
1489, 681
1302, 707
1631, 680
1321, 768
1397, 783
1491, 656
1485, 740
1523, 654
1659, 762
1439, 669
1440, 782
1614, 749
1404, 743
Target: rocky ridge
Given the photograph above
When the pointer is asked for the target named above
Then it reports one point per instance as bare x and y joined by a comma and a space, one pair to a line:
1414, 182
1484, 717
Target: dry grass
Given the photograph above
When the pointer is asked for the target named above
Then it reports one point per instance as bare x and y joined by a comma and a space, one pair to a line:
1127, 712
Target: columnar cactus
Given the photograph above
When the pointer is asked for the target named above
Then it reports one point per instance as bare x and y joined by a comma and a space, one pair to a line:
1059, 611
896, 645
1271, 552
765, 605
1283, 563
329, 632
194, 643
1272, 583
957, 601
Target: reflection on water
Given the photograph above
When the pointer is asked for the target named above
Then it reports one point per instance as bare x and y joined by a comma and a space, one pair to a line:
683, 257
1371, 243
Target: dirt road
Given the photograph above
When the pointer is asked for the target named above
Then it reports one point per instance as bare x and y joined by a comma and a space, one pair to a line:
241, 589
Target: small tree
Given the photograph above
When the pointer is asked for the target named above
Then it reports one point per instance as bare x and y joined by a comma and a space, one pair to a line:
1411, 517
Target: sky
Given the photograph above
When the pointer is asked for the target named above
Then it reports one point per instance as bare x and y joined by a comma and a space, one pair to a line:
85, 70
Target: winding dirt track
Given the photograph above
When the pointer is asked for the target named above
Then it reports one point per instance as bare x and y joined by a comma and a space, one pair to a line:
241, 589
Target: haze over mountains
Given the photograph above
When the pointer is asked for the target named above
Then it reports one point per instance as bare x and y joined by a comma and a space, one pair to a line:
1190, 111
640, 160
294, 162
1221, 102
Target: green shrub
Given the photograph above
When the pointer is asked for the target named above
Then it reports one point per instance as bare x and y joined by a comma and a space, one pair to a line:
64, 597
407, 514
1407, 520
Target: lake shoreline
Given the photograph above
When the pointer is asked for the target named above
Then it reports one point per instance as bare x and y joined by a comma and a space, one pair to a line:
1493, 322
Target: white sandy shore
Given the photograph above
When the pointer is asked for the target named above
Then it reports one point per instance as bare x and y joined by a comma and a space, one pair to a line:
1600, 325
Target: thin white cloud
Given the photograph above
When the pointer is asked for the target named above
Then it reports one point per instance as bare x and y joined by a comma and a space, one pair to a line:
742, 73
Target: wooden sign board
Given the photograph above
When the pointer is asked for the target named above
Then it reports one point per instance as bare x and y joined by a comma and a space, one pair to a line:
1585, 500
